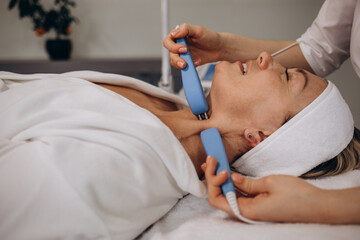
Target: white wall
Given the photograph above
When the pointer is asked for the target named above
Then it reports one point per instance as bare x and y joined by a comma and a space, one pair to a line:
132, 29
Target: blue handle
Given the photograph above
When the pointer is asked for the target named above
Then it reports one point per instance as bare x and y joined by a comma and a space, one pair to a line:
191, 83
214, 146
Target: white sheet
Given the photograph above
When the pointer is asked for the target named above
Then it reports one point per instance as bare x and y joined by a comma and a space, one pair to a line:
78, 161
194, 218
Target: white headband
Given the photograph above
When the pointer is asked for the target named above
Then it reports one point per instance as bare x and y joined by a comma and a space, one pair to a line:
316, 134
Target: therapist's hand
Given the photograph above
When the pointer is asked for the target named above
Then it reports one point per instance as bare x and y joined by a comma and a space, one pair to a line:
205, 45
276, 198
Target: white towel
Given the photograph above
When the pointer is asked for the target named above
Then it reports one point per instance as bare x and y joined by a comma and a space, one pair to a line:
316, 134
81, 162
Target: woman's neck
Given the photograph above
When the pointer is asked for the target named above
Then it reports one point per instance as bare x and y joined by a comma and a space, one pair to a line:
186, 127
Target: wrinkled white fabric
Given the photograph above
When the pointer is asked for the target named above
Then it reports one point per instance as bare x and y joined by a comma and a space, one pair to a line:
316, 134
81, 162
194, 218
333, 37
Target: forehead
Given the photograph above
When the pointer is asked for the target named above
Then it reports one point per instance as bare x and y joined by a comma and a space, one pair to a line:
314, 87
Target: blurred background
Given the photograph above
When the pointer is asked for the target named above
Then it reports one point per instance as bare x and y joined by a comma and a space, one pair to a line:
124, 36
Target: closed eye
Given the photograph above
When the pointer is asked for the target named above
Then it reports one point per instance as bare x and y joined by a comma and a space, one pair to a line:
286, 73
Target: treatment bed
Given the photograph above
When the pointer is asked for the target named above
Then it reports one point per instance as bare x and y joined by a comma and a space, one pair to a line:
194, 218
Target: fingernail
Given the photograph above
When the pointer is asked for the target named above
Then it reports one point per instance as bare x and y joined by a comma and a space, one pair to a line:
182, 50
208, 159
181, 64
223, 172
174, 32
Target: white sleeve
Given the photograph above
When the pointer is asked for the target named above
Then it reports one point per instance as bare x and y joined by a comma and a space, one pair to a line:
326, 43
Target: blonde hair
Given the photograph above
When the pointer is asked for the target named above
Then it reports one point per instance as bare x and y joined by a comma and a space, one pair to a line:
345, 161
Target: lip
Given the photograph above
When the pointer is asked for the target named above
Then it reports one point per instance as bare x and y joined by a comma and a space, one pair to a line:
240, 66
248, 65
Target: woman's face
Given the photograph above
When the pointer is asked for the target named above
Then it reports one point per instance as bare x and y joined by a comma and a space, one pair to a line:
263, 98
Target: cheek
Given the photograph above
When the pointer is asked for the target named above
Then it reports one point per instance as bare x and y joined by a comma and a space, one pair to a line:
222, 88
271, 114
246, 96
224, 98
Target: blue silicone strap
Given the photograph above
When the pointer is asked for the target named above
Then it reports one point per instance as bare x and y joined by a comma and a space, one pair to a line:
214, 146
191, 83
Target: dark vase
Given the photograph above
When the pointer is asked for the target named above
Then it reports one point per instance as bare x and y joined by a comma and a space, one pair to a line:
59, 49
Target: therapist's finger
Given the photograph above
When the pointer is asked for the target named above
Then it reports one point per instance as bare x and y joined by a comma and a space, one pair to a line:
188, 30
184, 31
214, 180
250, 186
176, 61
174, 50
170, 44
216, 198
169, 41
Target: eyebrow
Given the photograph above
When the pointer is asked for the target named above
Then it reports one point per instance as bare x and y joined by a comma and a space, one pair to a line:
304, 74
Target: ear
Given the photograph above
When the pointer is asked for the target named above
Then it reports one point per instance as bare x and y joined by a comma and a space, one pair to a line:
255, 136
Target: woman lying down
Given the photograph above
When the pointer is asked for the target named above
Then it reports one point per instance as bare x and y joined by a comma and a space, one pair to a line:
106, 160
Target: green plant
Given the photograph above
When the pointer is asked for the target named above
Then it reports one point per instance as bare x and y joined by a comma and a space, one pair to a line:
58, 18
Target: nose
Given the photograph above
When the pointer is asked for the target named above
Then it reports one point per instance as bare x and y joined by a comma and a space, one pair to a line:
264, 60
